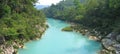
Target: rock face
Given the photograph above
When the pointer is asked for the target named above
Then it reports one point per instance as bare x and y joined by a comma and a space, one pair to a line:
111, 44
118, 38
7, 49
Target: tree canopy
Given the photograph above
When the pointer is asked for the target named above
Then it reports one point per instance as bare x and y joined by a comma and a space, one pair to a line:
19, 19
102, 16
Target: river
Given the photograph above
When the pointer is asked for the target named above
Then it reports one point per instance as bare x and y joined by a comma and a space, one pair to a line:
55, 41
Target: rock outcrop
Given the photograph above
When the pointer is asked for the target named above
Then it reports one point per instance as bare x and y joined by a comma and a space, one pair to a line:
7, 49
111, 44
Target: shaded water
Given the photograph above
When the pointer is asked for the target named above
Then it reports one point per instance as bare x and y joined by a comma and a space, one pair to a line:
55, 41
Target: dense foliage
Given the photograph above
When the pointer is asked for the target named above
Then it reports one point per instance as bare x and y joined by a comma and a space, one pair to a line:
102, 16
20, 20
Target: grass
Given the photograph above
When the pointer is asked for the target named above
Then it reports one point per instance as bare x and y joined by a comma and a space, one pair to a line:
69, 28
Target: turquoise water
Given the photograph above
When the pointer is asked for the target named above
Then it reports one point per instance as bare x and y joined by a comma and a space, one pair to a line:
55, 41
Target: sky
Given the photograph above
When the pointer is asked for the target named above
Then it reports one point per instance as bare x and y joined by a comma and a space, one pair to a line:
47, 2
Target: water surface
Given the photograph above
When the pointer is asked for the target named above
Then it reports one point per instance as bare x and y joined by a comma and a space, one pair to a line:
55, 41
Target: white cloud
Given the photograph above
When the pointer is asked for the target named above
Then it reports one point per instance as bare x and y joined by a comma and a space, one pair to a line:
47, 2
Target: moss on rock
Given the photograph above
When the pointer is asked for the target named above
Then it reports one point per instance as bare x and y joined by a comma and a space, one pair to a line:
69, 28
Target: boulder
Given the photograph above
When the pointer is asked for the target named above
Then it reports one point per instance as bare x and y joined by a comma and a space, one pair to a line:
118, 38
112, 35
110, 42
117, 48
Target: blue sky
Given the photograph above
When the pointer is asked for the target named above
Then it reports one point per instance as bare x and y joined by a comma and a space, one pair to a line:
47, 2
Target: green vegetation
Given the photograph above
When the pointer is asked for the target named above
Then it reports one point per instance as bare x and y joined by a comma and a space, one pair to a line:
20, 20
67, 29
1, 50
102, 17
15, 47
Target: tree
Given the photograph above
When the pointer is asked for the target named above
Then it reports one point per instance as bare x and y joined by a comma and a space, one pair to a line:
19, 18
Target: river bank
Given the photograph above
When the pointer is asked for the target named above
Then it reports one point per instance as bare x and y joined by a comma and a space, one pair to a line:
12, 46
110, 43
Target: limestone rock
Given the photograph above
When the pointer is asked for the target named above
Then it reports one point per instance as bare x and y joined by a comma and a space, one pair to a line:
117, 48
108, 43
111, 43
7, 49
118, 38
